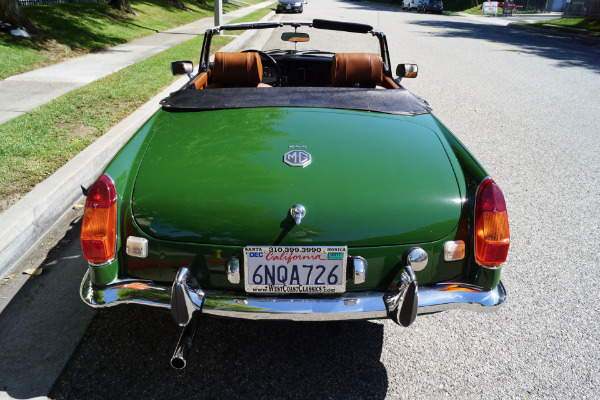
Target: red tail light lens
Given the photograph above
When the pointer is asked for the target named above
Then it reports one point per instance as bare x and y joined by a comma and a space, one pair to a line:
492, 236
99, 227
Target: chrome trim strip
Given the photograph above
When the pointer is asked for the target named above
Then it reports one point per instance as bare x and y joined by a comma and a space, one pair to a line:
357, 306
233, 270
360, 269
112, 260
452, 295
136, 292
351, 306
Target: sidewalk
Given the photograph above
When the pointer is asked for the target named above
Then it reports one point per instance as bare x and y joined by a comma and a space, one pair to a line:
22, 93
505, 20
24, 223
42, 319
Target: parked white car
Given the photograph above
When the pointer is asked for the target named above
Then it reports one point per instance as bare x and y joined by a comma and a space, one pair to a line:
411, 4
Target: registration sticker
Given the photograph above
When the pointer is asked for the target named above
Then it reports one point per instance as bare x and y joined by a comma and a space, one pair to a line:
295, 269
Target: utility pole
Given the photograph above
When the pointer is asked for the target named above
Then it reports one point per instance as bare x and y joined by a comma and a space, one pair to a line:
218, 12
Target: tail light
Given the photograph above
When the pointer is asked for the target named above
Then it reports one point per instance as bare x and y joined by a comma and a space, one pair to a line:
492, 237
99, 227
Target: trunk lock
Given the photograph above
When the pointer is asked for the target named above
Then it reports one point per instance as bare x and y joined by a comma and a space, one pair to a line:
298, 212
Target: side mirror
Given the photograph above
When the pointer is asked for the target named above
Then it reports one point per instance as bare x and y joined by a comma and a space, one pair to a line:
407, 70
182, 67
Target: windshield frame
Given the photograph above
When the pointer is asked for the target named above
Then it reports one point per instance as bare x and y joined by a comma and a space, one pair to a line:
315, 24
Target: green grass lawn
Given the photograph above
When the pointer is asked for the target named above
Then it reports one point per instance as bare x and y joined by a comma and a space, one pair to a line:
73, 29
585, 26
39, 142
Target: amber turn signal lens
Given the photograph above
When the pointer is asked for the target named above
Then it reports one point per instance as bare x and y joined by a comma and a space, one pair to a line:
99, 227
492, 236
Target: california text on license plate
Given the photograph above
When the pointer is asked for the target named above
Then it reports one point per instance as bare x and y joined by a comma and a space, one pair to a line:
295, 269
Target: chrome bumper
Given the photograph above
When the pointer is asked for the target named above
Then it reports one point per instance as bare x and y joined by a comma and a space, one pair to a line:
349, 306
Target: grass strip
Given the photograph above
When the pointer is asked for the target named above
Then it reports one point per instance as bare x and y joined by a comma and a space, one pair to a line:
36, 144
582, 26
74, 29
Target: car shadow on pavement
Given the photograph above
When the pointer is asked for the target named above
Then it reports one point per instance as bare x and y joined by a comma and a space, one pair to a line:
45, 319
126, 352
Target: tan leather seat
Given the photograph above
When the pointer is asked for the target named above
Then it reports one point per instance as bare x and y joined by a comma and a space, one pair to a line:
350, 69
237, 69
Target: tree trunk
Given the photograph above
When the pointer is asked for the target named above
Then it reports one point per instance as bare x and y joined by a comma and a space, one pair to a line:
11, 12
177, 3
122, 5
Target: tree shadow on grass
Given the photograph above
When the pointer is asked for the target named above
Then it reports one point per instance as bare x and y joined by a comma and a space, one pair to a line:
86, 26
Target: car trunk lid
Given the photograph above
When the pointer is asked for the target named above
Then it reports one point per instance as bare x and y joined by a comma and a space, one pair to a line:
219, 177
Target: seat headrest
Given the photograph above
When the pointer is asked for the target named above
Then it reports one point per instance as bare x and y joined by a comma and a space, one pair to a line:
350, 68
237, 68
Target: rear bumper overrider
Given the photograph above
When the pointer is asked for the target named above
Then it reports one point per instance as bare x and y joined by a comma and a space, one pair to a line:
189, 298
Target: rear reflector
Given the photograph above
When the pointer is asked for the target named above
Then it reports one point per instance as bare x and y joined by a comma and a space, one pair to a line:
99, 227
137, 247
492, 236
454, 250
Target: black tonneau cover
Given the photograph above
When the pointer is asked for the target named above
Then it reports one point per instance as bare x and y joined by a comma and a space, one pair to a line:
388, 101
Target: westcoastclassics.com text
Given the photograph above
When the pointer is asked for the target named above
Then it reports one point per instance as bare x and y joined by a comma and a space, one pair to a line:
293, 289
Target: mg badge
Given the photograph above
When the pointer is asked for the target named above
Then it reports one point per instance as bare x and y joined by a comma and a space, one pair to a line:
297, 158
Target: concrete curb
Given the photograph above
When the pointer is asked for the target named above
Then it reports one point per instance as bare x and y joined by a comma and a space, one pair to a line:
33, 215
24, 223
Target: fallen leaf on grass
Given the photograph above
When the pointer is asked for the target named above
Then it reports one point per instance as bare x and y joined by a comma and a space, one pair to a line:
33, 271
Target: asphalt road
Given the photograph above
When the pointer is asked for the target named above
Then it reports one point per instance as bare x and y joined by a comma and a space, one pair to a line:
526, 105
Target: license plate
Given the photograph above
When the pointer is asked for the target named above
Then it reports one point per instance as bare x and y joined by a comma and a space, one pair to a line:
288, 7
295, 269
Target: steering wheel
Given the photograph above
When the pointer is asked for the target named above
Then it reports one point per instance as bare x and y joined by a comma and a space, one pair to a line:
271, 60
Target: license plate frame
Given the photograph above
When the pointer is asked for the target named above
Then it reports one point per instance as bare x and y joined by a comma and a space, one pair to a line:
315, 270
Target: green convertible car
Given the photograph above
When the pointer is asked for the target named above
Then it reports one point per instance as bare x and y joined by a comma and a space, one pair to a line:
297, 182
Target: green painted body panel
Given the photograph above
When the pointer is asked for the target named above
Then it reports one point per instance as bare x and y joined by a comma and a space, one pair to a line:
122, 169
207, 261
473, 174
106, 273
218, 177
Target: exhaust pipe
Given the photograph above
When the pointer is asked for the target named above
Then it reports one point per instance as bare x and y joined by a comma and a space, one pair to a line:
178, 361
187, 299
